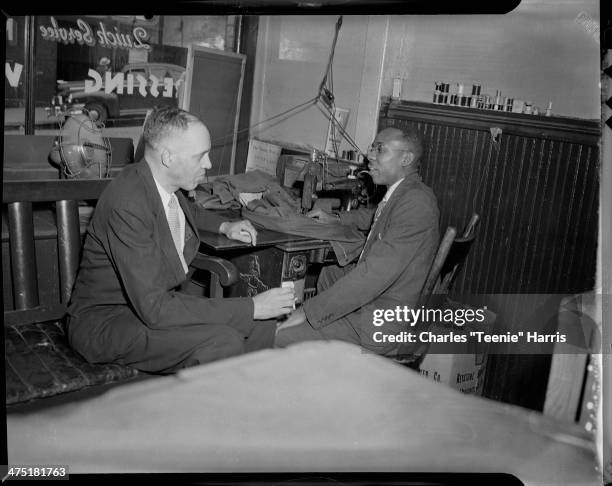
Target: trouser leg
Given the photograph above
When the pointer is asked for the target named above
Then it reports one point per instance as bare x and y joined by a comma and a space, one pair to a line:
124, 339
261, 337
330, 274
171, 349
340, 329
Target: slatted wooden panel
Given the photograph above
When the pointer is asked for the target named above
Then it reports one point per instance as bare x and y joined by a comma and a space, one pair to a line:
538, 201
536, 190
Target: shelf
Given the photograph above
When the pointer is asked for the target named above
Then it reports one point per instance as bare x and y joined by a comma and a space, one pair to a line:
557, 127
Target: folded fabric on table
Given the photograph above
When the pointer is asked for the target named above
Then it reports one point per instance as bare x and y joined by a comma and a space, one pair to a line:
207, 200
277, 210
224, 192
346, 241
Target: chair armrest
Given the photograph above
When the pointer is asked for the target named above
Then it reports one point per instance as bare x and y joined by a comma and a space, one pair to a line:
225, 270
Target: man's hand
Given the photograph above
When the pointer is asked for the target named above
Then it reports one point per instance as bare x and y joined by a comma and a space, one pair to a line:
295, 319
323, 216
273, 303
239, 230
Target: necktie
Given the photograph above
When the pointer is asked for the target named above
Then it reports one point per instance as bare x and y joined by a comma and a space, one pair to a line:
175, 226
379, 209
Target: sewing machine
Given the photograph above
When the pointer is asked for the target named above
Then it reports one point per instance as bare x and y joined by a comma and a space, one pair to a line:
284, 259
279, 259
324, 181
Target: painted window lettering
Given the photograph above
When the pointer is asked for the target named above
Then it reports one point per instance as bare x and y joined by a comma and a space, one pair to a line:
131, 91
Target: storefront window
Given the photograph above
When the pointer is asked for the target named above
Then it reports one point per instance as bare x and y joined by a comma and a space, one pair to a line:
115, 67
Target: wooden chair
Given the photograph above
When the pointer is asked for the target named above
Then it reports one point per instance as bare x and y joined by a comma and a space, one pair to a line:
39, 361
444, 269
448, 261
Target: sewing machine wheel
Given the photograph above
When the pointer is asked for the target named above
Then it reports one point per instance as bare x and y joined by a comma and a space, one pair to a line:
310, 184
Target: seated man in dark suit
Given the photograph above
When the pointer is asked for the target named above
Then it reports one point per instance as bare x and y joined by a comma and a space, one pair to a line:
126, 305
393, 265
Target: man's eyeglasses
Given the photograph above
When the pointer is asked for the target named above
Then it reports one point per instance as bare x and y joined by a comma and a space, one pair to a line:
380, 148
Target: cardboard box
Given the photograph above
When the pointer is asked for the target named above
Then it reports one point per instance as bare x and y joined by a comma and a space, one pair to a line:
464, 370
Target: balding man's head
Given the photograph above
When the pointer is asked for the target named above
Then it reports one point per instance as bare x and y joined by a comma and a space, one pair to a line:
177, 146
165, 122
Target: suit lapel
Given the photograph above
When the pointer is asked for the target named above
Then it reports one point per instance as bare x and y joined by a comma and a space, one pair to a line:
381, 223
166, 242
192, 239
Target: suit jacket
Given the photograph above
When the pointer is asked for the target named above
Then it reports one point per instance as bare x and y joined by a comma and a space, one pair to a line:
395, 261
129, 259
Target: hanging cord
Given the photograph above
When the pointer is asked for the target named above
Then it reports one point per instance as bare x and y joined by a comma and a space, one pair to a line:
333, 109
298, 108
324, 97
326, 111
331, 57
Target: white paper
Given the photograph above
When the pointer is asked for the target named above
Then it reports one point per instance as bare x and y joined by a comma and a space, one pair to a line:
262, 156
247, 197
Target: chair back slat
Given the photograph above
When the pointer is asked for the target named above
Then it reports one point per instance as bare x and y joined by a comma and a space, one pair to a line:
457, 255
471, 226
436, 267
68, 245
449, 259
19, 196
454, 261
23, 255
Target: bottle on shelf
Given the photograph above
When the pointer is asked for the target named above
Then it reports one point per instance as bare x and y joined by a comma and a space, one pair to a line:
462, 100
498, 100
437, 92
487, 103
397, 88
445, 89
454, 94
549, 109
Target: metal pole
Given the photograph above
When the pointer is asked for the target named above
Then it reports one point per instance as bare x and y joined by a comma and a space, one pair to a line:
604, 256
68, 245
30, 73
160, 26
238, 34
23, 255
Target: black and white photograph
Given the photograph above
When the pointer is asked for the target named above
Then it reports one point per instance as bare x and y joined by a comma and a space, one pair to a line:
313, 242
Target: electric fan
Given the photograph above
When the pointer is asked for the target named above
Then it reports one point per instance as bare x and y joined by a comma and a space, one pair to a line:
80, 150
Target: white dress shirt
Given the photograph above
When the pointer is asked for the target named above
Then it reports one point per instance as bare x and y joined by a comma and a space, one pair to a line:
165, 197
390, 190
